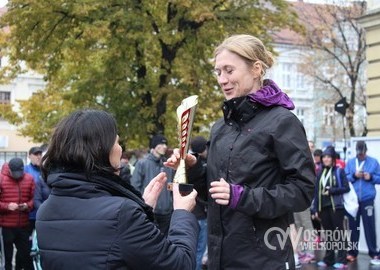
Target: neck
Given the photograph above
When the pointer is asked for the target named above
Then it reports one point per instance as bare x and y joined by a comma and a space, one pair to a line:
256, 86
361, 157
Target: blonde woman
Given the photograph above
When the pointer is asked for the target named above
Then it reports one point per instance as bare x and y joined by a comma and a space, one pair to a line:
259, 165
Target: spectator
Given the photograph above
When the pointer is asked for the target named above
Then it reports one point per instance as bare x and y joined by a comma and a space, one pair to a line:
33, 168
146, 169
328, 206
363, 172
311, 145
16, 201
197, 176
126, 168
303, 223
317, 160
339, 162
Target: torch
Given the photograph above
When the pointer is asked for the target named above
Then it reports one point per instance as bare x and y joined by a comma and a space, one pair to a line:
185, 114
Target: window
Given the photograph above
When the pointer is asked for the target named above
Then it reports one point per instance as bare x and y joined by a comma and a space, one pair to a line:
286, 70
6, 156
328, 115
301, 115
5, 97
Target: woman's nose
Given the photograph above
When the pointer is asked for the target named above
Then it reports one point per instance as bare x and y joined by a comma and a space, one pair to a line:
222, 79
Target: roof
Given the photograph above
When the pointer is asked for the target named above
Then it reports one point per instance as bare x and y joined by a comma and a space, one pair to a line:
310, 16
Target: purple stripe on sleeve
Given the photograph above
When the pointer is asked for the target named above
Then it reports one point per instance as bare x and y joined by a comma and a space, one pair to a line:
236, 191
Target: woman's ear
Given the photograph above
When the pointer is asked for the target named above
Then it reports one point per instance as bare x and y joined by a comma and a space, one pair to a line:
257, 69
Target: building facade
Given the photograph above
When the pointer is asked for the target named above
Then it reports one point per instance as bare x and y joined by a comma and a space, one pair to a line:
11, 143
315, 101
371, 23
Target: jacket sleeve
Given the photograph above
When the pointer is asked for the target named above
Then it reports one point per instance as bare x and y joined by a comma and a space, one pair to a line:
350, 171
197, 175
142, 243
38, 194
375, 172
30, 201
343, 187
3, 205
295, 178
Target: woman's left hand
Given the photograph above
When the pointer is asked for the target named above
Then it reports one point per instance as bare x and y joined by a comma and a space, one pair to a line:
153, 189
220, 191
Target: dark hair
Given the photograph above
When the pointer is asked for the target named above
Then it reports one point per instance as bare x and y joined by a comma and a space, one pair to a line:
81, 142
317, 153
127, 154
361, 147
330, 151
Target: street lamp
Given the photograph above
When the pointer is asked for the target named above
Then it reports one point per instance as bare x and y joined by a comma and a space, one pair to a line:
341, 107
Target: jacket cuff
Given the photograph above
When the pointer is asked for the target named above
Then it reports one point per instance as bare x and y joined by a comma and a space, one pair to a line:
235, 195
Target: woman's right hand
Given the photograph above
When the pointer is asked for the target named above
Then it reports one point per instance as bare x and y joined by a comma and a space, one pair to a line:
183, 202
153, 189
173, 161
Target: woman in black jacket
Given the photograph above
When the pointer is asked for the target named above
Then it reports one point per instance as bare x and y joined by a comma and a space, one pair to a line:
259, 165
93, 219
329, 207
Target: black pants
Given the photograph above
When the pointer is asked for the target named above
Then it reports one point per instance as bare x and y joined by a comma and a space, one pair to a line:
333, 221
20, 238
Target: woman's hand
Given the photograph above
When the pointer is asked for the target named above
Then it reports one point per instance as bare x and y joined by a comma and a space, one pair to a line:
153, 189
173, 161
183, 202
220, 191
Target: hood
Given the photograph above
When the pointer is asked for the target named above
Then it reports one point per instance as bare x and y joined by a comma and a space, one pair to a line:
5, 170
271, 95
72, 185
329, 151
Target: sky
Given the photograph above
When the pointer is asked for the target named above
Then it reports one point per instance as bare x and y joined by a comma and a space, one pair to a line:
3, 2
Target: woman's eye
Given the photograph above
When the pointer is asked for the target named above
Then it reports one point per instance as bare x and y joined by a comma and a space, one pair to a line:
217, 72
229, 70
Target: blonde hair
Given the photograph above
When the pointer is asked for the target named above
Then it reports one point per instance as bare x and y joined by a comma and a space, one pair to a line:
250, 48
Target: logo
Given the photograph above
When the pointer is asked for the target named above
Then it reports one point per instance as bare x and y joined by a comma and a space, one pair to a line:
310, 239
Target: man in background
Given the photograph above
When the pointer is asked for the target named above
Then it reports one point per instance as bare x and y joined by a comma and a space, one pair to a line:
197, 175
16, 201
146, 169
126, 168
33, 168
363, 172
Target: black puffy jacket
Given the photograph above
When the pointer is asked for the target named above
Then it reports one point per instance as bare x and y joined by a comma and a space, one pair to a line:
82, 226
265, 150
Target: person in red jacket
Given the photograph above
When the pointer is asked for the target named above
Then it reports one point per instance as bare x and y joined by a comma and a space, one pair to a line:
16, 201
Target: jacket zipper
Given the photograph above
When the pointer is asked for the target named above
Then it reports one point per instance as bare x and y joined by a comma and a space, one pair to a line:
19, 201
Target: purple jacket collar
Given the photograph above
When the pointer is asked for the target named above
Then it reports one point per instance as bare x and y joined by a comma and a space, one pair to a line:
271, 95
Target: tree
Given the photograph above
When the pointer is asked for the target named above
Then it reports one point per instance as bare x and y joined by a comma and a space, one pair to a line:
338, 61
135, 58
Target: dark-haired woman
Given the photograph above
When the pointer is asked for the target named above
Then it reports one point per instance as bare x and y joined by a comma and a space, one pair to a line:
93, 219
328, 204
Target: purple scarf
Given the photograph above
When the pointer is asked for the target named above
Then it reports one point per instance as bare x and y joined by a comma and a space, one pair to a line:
271, 95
